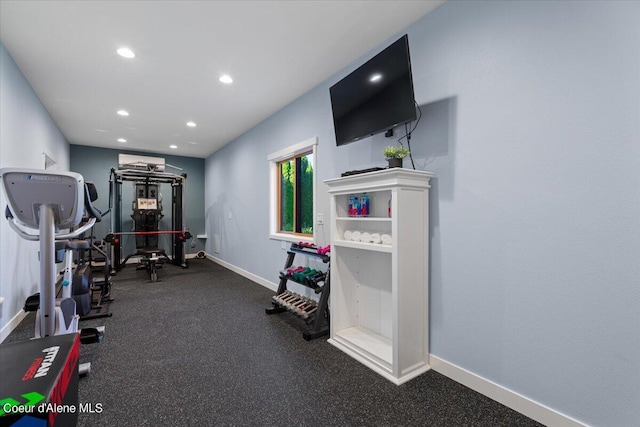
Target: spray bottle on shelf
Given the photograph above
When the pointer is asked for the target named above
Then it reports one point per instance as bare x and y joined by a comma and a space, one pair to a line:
364, 205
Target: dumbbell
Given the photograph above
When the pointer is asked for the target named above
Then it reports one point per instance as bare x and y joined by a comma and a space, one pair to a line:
278, 297
313, 280
292, 270
325, 250
294, 306
283, 294
300, 303
305, 314
294, 300
301, 275
303, 308
295, 275
288, 296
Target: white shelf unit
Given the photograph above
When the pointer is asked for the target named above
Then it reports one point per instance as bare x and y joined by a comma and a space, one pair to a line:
379, 296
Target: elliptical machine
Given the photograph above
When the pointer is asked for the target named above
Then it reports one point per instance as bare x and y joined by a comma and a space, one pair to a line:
41, 205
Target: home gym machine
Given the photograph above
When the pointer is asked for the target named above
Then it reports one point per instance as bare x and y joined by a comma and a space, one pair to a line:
147, 213
41, 206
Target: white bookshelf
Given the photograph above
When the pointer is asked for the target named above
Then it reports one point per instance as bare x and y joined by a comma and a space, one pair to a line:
379, 292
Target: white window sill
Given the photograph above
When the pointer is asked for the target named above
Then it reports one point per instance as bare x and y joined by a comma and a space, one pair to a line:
290, 238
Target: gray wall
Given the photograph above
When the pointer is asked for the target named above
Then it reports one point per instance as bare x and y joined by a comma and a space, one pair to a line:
95, 165
26, 132
530, 123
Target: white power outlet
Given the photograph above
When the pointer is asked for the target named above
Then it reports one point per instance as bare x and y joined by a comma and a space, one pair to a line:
320, 218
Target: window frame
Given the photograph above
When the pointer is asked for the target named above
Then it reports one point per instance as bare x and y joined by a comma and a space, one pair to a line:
308, 147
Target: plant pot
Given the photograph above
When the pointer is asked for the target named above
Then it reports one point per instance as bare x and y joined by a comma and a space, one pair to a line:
395, 163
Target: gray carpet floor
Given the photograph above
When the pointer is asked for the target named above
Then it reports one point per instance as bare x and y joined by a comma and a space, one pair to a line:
197, 349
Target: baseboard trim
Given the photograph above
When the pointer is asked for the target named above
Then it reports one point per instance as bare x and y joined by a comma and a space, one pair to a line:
259, 280
532, 409
12, 324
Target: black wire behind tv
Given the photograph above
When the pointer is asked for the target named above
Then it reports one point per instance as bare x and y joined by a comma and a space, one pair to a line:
375, 97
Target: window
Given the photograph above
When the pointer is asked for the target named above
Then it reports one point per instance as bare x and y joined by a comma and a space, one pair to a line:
293, 192
295, 186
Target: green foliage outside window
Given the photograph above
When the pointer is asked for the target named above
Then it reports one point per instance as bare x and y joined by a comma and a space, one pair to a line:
288, 201
287, 195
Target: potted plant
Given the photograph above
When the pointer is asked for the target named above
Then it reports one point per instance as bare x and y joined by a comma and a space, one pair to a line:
394, 155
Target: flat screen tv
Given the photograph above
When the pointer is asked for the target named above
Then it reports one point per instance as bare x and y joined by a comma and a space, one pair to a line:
375, 97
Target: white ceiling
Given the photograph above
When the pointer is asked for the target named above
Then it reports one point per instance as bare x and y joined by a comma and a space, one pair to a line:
274, 50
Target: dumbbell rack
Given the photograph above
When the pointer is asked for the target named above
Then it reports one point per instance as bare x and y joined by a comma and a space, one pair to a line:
313, 312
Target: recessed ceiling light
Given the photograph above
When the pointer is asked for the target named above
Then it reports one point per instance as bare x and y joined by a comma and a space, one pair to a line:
191, 124
122, 140
193, 143
376, 77
126, 52
225, 78
173, 146
123, 112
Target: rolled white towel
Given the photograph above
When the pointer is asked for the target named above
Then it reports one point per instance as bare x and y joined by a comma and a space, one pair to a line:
355, 236
365, 237
386, 239
347, 235
375, 238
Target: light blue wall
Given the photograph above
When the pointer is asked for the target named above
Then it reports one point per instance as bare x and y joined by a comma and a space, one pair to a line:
26, 132
536, 232
531, 122
237, 181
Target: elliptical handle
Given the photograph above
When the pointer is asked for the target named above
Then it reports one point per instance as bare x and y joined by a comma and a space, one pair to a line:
77, 232
35, 237
18, 229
